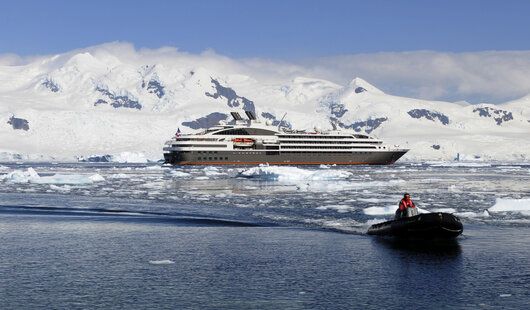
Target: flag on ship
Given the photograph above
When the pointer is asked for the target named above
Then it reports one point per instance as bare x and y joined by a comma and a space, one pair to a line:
177, 134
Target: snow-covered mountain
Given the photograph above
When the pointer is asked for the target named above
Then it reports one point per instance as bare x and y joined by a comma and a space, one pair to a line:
103, 100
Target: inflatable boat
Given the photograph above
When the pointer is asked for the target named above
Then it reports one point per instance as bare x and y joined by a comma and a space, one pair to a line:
423, 226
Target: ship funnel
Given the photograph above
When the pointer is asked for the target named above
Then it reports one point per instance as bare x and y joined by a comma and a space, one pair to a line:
251, 116
236, 116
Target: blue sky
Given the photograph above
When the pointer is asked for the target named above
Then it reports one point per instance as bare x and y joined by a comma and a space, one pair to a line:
474, 50
269, 29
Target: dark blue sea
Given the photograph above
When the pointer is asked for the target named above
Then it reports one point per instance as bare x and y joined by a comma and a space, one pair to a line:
116, 236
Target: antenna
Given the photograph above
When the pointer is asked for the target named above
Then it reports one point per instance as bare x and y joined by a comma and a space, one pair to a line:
280, 123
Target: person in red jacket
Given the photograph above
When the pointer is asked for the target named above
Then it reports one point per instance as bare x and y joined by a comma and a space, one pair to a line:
407, 207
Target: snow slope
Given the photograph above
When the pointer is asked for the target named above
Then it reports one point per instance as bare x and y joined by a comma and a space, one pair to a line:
109, 100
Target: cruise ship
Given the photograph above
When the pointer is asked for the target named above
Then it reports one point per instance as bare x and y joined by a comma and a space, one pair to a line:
251, 141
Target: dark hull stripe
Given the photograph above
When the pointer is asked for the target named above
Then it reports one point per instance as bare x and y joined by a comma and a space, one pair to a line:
229, 158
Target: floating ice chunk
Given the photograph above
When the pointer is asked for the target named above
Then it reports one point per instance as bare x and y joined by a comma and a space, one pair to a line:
155, 167
322, 166
119, 176
202, 178
388, 210
31, 176
458, 164
64, 188
66, 179
470, 214
511, 205
338, 208
374, 200
20, 176
161, 262
179, 174
293, 173
96, 178
211, 171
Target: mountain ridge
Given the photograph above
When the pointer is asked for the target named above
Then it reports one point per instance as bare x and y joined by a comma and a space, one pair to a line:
104, 101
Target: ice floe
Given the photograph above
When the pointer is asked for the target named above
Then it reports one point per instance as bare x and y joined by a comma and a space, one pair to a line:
338, 208
511, 205
388, 210
161, 262
31, 176
211, 171
179, 174
471, 214
64, 188
459, 164
118, 176
293, 173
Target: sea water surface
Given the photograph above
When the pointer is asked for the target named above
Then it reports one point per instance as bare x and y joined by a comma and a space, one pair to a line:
145, 236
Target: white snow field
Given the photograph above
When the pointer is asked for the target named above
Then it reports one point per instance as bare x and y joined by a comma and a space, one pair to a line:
126, 103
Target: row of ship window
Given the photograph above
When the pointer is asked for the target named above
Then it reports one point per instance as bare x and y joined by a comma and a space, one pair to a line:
327, 142
200, 145
322, 137
328, 147
212, 158
327, 153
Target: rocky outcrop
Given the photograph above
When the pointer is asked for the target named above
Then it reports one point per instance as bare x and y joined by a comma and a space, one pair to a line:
498, 115
116, 101
430, 115
232, 99
154, 87
51, 85
367, 126
18, 123
206, 121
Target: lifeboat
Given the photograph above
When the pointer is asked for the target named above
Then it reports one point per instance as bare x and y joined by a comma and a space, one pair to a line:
243, 142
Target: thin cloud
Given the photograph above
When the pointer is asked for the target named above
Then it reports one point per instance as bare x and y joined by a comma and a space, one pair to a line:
480, 76
492, 76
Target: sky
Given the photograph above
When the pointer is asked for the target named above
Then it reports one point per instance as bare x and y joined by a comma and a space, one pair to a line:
301, 32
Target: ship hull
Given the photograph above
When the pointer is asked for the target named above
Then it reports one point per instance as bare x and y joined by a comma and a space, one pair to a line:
282, 158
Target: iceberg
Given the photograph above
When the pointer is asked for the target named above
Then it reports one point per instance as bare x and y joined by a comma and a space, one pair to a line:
293, 174
511, 205
31, 176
